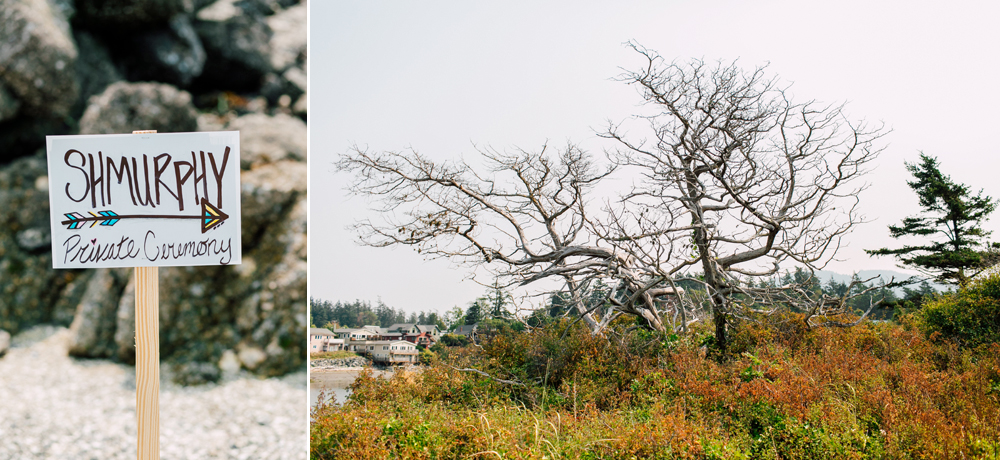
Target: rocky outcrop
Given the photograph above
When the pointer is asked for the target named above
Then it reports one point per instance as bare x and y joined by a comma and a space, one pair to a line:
171, 53
37, 55
124, 107
31, 292
55, 55
356, 361
270, 139
93, 67
128, 14
237, 41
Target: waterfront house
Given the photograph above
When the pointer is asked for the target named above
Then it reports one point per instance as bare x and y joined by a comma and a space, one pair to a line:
391, 352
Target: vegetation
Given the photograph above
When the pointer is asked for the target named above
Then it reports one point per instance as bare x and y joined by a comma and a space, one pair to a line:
338, 354
732, 178
361, 313
952, 224
969, 317
728, 176
883, 390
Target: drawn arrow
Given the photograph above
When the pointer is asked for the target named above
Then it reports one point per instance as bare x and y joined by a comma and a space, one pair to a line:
210, 216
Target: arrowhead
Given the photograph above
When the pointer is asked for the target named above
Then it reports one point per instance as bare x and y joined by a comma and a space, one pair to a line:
211, 216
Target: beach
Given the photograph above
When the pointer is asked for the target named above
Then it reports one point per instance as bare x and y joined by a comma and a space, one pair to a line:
55, 406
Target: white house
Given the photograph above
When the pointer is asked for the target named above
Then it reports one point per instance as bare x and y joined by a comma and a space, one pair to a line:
392, 352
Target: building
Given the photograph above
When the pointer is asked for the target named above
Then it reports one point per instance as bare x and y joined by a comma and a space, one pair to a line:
322, 340
432, 329
391, 352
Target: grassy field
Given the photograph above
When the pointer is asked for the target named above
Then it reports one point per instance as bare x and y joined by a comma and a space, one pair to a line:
333, 355
887, 390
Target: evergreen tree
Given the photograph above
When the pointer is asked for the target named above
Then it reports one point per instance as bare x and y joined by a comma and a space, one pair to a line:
951, 220
476, 311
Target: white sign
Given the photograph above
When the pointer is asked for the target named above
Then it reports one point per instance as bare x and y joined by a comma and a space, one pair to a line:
145, 200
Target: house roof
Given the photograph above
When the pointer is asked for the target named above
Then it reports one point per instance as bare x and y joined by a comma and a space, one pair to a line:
398, 326
387, 342
427, 327
466, 329
319, 331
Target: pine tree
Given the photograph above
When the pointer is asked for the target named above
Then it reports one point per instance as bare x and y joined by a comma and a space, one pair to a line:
951, 220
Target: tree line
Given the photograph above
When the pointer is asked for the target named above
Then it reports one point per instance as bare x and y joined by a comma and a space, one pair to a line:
323, 313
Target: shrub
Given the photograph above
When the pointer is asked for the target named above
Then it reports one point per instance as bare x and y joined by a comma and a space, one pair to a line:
454, 340
333, 354
970, 316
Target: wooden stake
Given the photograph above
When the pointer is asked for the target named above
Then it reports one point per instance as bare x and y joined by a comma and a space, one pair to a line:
147, 362
147, 358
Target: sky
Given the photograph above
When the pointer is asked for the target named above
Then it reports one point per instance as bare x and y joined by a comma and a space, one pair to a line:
445, 77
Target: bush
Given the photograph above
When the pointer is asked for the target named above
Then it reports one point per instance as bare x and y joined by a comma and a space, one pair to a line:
333, 354
454, 340
970, 316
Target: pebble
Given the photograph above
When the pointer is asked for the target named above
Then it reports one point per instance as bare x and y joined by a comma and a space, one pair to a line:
54, 406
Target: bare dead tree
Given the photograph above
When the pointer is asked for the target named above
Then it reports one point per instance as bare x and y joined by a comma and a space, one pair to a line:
737, 178
525, 218
731, 179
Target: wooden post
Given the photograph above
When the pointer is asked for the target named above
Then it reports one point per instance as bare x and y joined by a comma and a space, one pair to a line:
147, 359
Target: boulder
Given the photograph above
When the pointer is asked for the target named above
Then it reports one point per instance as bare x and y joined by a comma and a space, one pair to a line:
36, 55
31, 292
23, 135
238, 49
301, 106
266, 139
288, 44
124, 107
4, 342
94, 69
171, 53
91, 334
9, 105
127, 15
125, 324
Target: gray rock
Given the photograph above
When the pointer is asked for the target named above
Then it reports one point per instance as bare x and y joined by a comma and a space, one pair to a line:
124, 107
91, 334
170, 54
229, 364
9, 105
34, 239
301, 106
265, 139
125, 324
288, 44
4, 342
251, 357
127, 14
195, 373
24, 135
238, 50
31, 292
94, 68
356, 361
36, 56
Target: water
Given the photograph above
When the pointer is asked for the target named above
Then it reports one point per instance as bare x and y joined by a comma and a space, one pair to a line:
334, 383
339, 393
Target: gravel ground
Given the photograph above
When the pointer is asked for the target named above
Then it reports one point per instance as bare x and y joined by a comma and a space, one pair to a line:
54, 406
